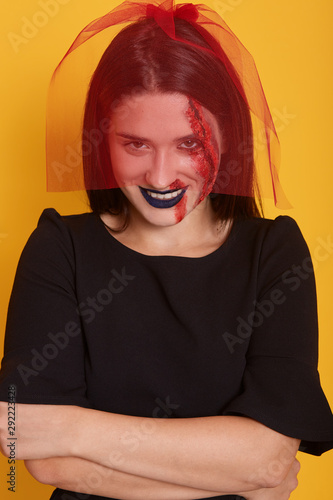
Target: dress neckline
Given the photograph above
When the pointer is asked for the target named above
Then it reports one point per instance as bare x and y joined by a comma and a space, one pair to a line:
222, 248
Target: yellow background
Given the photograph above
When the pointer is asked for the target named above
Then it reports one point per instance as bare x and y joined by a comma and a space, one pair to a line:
291, 42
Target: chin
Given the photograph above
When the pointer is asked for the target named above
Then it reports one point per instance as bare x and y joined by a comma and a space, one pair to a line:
164, 221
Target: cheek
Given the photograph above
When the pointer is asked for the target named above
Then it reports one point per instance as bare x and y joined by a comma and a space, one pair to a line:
125, 172
205, 162
181, 209
126, 169
205, 165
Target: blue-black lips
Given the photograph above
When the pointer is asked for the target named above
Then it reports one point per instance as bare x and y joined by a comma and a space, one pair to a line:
156, 203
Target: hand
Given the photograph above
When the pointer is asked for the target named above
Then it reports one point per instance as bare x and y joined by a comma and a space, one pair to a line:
41, 431
281, 492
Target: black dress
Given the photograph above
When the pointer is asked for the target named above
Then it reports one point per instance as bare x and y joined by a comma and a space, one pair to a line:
95, 324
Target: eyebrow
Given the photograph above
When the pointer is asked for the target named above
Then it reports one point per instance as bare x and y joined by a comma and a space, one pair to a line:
138, 138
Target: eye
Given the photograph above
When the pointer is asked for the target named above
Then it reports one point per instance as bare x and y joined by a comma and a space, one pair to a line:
137, 145
191, 145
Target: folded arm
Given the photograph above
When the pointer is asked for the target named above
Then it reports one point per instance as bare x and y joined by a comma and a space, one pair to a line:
82, 476
222, 453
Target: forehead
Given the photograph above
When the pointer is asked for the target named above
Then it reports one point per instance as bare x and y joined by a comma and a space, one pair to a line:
156, 115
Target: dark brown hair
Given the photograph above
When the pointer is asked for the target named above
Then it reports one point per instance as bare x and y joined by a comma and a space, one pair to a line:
142, 58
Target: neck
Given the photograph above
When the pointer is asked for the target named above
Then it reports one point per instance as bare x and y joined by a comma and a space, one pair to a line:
198, 234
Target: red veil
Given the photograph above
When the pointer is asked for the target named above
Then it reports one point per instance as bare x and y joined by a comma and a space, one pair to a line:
66, 141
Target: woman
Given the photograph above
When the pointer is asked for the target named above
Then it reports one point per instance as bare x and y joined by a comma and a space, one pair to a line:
172, 331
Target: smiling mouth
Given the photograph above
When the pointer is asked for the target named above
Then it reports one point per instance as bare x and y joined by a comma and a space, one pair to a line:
162, 199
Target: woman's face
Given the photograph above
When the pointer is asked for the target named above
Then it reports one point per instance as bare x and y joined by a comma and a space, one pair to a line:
165, 151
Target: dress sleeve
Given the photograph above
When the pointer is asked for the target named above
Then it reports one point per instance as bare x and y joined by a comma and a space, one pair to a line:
44, 347
281, 385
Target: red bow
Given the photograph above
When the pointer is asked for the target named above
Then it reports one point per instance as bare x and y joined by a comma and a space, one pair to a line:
165, 13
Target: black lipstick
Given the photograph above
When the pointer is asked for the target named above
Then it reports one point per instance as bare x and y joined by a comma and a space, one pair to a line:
157, 202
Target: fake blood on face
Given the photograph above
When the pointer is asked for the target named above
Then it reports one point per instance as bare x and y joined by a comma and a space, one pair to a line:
206, 160
180, 208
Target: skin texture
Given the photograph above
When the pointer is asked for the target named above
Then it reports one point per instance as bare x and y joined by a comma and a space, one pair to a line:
215, 454
76, 474
164, 142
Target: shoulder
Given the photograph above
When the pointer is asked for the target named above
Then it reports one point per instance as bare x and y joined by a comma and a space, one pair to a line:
66, 228
282, 236
278, 226
267, 235
270, 247
283, 255
56, 237
50, 220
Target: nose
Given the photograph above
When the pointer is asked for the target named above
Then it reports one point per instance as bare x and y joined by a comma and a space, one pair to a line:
161, 172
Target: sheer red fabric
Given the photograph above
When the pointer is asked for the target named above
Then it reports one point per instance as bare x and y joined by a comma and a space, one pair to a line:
66, 143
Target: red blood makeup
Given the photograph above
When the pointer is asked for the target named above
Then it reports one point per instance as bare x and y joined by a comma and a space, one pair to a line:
180, 208
205, 158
